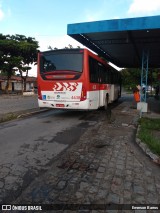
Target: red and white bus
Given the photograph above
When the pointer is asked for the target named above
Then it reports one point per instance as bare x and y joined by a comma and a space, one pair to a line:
76, 79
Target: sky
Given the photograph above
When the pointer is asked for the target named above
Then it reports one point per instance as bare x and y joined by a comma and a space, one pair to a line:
46, 20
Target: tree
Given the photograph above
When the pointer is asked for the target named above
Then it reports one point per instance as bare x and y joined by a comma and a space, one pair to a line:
10, 67
8, 60
17, 53
27, 50
132, 77
70, 46
50, 48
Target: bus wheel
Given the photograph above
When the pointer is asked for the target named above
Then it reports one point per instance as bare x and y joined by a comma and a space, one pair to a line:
106, 103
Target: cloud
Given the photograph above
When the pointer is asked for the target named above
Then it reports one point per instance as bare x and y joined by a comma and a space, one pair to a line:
144, 6
9, 12
33, 71
1, 14
55, 41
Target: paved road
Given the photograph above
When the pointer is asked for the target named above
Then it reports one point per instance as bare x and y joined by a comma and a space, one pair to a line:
101, 165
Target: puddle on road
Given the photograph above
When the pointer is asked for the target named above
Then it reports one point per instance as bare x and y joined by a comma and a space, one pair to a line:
72, 135
47, 122
68, 136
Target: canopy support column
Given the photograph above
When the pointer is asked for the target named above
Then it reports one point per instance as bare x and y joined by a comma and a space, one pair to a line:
144, 75
142, 105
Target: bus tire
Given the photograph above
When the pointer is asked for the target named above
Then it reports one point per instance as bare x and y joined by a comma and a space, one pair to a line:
106, 103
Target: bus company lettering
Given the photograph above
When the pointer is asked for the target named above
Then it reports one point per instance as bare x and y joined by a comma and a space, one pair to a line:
65, 86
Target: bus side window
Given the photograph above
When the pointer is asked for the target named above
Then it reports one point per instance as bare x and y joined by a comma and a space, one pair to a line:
93, 70
108, 76
102, 73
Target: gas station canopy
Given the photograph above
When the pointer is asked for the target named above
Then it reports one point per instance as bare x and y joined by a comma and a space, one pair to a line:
121, 41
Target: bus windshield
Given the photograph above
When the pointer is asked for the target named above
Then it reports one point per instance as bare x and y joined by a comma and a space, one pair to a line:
61, 61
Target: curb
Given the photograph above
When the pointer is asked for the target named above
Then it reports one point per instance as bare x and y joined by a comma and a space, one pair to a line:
32, 113
16, 115
144, 147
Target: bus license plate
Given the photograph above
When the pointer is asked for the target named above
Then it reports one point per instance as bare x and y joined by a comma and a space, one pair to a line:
59, 105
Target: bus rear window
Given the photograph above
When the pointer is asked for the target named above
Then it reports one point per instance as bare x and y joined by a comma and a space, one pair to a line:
61, 61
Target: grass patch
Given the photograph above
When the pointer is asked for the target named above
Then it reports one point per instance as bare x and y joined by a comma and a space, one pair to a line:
8, 117
149, 133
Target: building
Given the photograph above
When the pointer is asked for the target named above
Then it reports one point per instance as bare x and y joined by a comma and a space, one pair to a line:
16, 83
